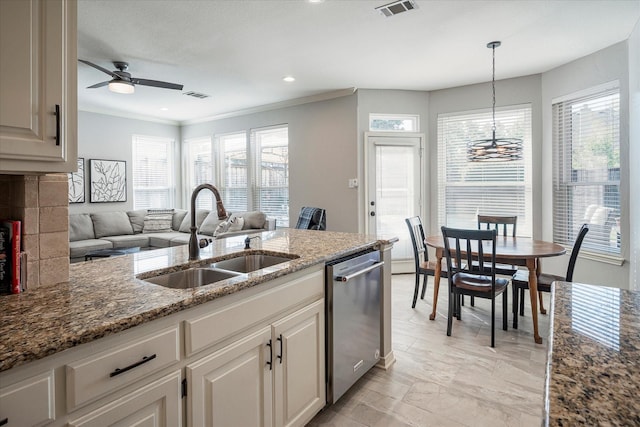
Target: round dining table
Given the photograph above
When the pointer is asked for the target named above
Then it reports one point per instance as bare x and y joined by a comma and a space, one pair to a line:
519, 251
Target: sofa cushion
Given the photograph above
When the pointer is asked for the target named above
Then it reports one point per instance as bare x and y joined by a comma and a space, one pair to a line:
209, 224
157, 223
178, 216
128, 241
253, 219
162, 240
81, 247
136, 218
111, 224
185, 226
80, 227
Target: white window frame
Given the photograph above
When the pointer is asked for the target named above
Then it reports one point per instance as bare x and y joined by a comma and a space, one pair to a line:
413, 118
598, 244
485, 174
170, 187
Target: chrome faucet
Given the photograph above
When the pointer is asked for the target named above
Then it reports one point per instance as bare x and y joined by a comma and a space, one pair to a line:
194, 245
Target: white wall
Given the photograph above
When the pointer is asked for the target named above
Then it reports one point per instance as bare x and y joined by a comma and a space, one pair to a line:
521, 90
322, 154
101, 136
601, 67
634, 157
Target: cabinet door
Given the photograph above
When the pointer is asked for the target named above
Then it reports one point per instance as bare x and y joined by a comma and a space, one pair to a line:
37, 73
28, 403
158, 404
299, 366
233, 386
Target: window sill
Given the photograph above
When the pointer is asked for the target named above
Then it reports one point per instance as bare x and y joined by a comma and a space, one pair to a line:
600, 257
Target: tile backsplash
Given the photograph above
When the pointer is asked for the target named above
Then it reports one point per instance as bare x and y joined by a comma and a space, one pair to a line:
41, 202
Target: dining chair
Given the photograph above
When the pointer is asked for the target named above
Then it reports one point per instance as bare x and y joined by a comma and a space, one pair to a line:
464, 279
500, 223
520, 280
423, 266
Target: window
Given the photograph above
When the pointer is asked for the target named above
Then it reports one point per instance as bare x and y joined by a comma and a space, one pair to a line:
254, 172
465, 188
199, 170
586, 168
394, 123
153, 182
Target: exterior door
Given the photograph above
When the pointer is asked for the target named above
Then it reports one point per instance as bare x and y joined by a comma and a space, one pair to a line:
394, 171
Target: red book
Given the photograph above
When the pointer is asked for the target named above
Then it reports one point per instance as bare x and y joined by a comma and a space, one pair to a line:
13, 252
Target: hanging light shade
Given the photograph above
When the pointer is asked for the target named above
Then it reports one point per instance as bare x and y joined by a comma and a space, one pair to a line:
494, 149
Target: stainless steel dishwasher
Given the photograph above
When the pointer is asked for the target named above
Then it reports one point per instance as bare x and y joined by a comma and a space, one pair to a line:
353, 288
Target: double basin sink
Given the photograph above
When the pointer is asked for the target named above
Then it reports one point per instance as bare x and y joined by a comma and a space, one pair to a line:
217, 271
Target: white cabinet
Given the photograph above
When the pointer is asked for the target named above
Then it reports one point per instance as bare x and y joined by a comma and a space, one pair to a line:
38, 83
29, 402
157, 404
299, 366
233, 386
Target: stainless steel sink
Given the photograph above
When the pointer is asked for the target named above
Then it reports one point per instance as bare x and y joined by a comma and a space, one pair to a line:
191, 278
249, 263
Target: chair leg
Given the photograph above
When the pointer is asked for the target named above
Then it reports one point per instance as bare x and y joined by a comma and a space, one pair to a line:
424, 286
542, 309
515, 292
415, 292
505, 317
473, 301
459, 298
493, 321
521, 301
452, 301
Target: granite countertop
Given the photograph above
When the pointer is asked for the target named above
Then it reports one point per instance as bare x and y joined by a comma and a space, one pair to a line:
593, 369
103, 296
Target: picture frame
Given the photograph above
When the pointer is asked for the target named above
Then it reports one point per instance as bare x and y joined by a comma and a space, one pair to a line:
108, 181
76, 183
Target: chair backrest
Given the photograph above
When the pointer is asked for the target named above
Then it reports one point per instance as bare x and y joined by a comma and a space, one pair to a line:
574, 252
460, 257
417, 239
493, 221
312, 219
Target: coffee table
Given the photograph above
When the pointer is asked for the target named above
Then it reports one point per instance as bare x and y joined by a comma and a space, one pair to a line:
106, 253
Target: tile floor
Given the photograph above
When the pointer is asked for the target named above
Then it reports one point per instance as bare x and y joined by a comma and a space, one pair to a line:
449, 381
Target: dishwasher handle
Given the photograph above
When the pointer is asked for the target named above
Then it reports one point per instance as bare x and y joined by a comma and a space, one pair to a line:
358, 273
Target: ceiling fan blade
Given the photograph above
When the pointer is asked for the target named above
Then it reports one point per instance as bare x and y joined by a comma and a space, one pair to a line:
97, 67
98, 85
156, 83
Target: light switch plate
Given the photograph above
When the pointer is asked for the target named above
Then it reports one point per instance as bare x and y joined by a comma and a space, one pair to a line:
353, 182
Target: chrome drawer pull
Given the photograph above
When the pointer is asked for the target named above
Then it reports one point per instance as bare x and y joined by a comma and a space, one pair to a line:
358, 273
144, 360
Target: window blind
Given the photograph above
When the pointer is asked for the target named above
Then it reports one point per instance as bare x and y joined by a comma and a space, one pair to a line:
467, 189
586, 170
199, 161
153, 183
271, 180
234, 172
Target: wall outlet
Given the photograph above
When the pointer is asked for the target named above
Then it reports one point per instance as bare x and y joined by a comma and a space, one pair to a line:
353, 182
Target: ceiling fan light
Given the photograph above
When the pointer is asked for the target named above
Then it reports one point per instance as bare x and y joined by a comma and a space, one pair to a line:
121, 86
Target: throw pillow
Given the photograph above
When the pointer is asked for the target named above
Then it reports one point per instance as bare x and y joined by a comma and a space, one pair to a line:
185, 226
221, 228
157, 222
235, 224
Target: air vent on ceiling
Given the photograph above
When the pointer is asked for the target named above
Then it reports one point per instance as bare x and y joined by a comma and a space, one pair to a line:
196, 94
397, 7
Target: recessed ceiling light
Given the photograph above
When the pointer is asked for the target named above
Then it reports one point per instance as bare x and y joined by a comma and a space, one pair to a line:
164, 109
315, 1
289, 79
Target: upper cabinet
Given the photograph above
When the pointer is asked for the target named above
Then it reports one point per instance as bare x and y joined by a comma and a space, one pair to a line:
38, 86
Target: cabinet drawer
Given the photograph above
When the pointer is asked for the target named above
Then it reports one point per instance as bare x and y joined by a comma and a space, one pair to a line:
99, 374
29, 402
208, 329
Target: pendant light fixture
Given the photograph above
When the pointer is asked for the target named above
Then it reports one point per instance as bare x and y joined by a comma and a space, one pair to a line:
494, 149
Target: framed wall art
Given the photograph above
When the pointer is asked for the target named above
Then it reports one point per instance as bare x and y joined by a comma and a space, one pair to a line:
108, 181
76, 183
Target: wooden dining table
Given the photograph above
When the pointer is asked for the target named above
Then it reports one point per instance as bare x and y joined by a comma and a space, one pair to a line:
519, 251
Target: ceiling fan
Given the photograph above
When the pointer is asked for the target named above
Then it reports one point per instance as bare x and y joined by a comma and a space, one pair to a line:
123, 82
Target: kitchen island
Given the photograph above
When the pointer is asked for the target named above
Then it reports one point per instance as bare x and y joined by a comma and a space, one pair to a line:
593, 375
57, 339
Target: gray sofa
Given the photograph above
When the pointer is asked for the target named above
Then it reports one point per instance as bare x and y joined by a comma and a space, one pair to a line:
149, 229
